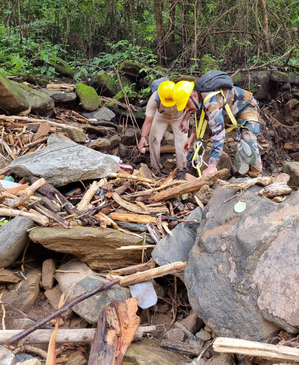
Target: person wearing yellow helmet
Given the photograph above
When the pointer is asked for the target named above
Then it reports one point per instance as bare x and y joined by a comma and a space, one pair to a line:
243, 109
162, 112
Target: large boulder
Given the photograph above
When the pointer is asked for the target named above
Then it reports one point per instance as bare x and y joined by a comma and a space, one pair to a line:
11, 97
39, 102
88, 97
242, 271
13, 239
63, 162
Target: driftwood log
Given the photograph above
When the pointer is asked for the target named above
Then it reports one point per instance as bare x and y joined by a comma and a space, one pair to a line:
251, 348
188, 187
115, 331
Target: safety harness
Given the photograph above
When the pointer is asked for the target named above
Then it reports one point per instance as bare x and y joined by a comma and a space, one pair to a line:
197, 159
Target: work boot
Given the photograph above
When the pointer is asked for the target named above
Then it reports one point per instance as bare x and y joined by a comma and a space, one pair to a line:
254, 172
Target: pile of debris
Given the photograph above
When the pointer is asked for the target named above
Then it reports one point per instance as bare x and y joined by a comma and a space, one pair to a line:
108, 215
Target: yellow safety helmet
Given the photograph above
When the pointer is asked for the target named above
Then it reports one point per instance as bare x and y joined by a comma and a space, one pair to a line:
165, 91
181, 93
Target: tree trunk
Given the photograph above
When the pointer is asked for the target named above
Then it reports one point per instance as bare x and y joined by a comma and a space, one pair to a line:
160, 31
265, 26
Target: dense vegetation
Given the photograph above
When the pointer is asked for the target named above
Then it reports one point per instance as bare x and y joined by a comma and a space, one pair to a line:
174, 33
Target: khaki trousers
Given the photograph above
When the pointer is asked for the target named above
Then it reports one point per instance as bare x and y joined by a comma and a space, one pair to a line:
157, 132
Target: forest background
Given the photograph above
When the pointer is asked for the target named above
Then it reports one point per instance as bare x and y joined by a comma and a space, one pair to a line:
100, 34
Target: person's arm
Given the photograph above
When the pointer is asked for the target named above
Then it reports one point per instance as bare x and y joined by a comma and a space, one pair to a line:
145, 132
184, 126
189, 143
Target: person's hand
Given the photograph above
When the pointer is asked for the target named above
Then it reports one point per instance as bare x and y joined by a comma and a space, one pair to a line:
211, 169
189, 143
184, 126
142, 143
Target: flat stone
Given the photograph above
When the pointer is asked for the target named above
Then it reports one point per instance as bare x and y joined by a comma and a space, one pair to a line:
75, 358
6, 356
13, 239
203, 335
74, 284
7, 276
177, 247
149, 352
64, 162
176, 334
292, 168
24, 296
30, 362
48, 273
95, 246
193, 323
60, 95
23, 323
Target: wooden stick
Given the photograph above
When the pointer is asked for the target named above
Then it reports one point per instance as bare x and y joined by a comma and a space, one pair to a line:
133, 218
78, 335
140, 277
37, 121
38, 218
28, 192
135, 268
89, 194
131, 177
181, 347
135, 247
251, 348
44, 211
188, 187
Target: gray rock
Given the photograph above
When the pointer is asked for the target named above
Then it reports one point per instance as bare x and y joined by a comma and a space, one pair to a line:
23, 297
99, 144
23, 324
74, 284
40, 102
193, 323
292, 168
63, 162
6, 356
231, 275
222, 359
177, 247
13, 239
105, 84
60, 95
176, 334
149, 352
30, 362
93, 245
102, 114
20, 358
203, 335
48, 273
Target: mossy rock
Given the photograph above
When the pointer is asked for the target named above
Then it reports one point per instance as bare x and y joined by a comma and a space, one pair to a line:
61, 67
131, 69
88, 97
12, 98
106, 84
292, 169
207, 63
282, 77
